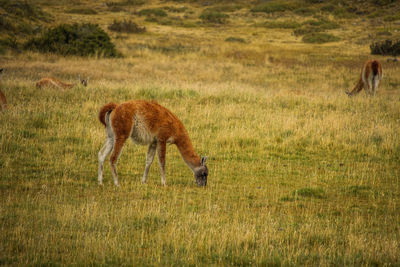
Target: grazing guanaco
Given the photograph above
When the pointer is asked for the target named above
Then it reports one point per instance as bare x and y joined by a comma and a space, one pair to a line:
53, 82
147, 123
371, 75
3, 100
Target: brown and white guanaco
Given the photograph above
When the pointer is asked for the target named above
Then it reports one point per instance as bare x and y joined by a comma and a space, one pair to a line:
3, 100
370, 77
53, 82
147, 123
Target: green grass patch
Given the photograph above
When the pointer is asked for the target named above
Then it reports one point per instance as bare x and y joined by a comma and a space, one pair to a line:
319, 38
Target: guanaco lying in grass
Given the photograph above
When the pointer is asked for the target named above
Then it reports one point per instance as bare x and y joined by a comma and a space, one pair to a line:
371, 75
3, 100
53, 82
147, 123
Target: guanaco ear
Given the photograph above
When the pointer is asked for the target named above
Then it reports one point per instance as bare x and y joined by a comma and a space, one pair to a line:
203, 161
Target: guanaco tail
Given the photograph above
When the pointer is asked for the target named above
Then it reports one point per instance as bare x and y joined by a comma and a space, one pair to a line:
53, 82
147, 123
3, 100
371, 75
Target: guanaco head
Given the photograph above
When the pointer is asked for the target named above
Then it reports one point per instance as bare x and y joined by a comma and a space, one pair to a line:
84, 82
201, 173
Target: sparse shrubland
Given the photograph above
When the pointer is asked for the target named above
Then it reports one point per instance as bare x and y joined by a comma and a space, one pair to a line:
299, 174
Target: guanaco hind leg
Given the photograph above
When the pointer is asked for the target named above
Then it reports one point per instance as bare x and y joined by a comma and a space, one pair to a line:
104, 151
118, 144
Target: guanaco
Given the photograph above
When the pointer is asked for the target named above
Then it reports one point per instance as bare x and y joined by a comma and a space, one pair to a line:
53, 82
371, 75
3, 100
147, 123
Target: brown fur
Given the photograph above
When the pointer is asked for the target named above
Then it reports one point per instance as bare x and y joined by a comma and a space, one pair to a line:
103, 111
371, 73
3, 100
50, 82
146, 123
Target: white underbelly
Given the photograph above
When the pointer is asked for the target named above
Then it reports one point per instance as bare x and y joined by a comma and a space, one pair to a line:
140, 134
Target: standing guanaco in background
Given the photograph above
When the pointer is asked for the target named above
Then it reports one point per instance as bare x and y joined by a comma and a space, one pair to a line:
147, 123
53, 82
371, 75
3, 100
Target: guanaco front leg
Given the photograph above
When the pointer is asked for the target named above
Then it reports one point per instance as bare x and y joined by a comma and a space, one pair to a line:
151, 152
161, 149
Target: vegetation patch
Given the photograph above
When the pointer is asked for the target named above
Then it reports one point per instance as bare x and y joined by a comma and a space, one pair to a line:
274, 6
157, 12
126, 3
76, 39
235, 40
212, 16
319, 38
83, 11
126, 27
309, 192
387, 48
23, 9
280, 24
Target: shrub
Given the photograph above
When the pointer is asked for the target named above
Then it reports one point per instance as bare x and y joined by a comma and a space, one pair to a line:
271, 7
383, 2
306, 30
235, 39
319, 38
76, 39
157, 12
84, 11
126, 3
281, 24
212, 16
322, 24
126, 26
23, 9
387, 47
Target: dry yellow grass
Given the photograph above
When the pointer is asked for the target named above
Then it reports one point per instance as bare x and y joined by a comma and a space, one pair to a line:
300, 174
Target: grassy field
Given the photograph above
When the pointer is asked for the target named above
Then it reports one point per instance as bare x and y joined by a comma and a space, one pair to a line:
299, 173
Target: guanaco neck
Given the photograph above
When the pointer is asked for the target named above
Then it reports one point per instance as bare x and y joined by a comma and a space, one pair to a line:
189, 155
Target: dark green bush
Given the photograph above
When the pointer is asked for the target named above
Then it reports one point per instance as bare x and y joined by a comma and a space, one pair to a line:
126, 26
281, 24
76, 39
23, 9
386, 48
274, 6
322, 24
211, 16
235, 39
383, 2
319, 38
84, 11
157, 12
126, 3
